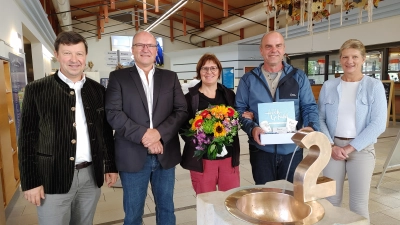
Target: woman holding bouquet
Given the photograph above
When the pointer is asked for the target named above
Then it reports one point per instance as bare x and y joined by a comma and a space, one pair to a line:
206, 173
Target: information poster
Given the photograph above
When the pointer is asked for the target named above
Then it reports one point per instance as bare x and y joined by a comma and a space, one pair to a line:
228, 77
18, 83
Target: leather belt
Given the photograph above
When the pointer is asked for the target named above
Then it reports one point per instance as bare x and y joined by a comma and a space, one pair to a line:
344, 139
82, 165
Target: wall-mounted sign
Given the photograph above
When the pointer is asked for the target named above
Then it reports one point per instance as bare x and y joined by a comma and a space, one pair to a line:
228, 77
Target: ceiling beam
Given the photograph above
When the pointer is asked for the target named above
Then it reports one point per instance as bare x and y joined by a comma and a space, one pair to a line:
184, 21
138, 7
193, 11
205, 16
221, 4
112, 4
171, 30
201, 12
105, 10
144, 11
156, 5
187, 23
90, 4
225, 4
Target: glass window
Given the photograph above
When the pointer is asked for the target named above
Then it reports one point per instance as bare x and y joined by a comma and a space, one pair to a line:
316, 69
373, 64
334, 66
394, 64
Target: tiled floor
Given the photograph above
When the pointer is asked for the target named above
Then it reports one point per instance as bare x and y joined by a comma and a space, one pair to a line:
384, 202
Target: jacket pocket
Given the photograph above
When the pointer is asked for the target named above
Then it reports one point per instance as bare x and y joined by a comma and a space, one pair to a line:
43, 155
289, 89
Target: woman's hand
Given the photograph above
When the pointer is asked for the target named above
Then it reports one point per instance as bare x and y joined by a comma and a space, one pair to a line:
349, 149
338, 153
248, 115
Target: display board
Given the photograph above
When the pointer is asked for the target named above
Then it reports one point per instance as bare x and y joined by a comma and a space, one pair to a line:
388, 85
393, 158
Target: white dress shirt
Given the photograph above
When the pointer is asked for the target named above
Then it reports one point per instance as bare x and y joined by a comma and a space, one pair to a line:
82, 135
148, 90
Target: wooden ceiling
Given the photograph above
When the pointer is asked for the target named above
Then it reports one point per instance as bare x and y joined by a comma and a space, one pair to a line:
198, 14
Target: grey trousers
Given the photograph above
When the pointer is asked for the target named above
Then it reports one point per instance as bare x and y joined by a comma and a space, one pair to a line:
77, 207
359, 168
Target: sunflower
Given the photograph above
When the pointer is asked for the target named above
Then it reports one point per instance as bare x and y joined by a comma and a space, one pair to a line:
219, 111
219, 130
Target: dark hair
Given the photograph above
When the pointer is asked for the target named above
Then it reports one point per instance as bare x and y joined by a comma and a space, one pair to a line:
208, 57
69, 38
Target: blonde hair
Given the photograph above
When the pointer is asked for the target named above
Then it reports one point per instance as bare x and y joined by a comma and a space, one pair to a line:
354, 44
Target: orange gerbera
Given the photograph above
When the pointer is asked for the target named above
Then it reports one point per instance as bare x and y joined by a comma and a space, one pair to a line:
198, 120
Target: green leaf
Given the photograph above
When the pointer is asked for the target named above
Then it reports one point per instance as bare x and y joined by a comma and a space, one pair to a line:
199, 154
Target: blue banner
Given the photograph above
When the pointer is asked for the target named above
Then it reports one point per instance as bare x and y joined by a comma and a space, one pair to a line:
228, 77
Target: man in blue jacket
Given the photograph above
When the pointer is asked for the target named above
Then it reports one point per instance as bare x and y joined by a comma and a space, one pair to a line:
274, 81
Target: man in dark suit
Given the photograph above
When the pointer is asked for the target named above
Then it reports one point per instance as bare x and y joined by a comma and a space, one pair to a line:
65, 143
146, 107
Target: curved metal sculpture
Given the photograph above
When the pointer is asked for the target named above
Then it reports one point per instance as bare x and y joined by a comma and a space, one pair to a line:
277, 206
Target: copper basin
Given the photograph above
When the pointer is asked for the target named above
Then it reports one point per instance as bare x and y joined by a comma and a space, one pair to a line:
272, 206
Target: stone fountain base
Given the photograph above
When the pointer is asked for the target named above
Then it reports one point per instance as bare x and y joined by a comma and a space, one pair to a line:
211, 208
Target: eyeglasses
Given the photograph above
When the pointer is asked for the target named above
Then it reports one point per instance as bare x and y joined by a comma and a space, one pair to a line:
206, 69
142, 46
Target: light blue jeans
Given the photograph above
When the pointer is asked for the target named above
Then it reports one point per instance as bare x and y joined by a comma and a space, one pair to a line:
359, 168
135, 190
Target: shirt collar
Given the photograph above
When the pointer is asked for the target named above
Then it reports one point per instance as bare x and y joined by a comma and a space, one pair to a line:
68, 81
142, 72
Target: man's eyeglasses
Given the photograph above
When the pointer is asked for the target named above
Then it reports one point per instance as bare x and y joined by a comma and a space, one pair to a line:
142, 46
212, 69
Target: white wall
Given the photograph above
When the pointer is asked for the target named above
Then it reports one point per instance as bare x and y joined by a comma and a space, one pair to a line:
376, 32
99, 47
13, 19
238, 56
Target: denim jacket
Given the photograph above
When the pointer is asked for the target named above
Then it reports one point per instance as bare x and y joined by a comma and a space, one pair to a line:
252, 90
371, 110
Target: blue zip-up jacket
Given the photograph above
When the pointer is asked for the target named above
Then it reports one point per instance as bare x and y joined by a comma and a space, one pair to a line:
252, 90
371, 110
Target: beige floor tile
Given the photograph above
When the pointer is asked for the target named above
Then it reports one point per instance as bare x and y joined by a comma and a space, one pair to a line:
382, 190
184, 201
394, 213
149, 220
17, 211
388, 201
382, 219
109, 215
13, 221
187, 192
188, 223
28, 219
30, 209
186, 216
374, 207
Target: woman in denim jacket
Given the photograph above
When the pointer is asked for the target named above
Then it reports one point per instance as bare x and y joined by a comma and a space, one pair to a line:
352, 113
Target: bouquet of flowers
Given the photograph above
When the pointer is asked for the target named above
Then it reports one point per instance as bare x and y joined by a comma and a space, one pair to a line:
212, 129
